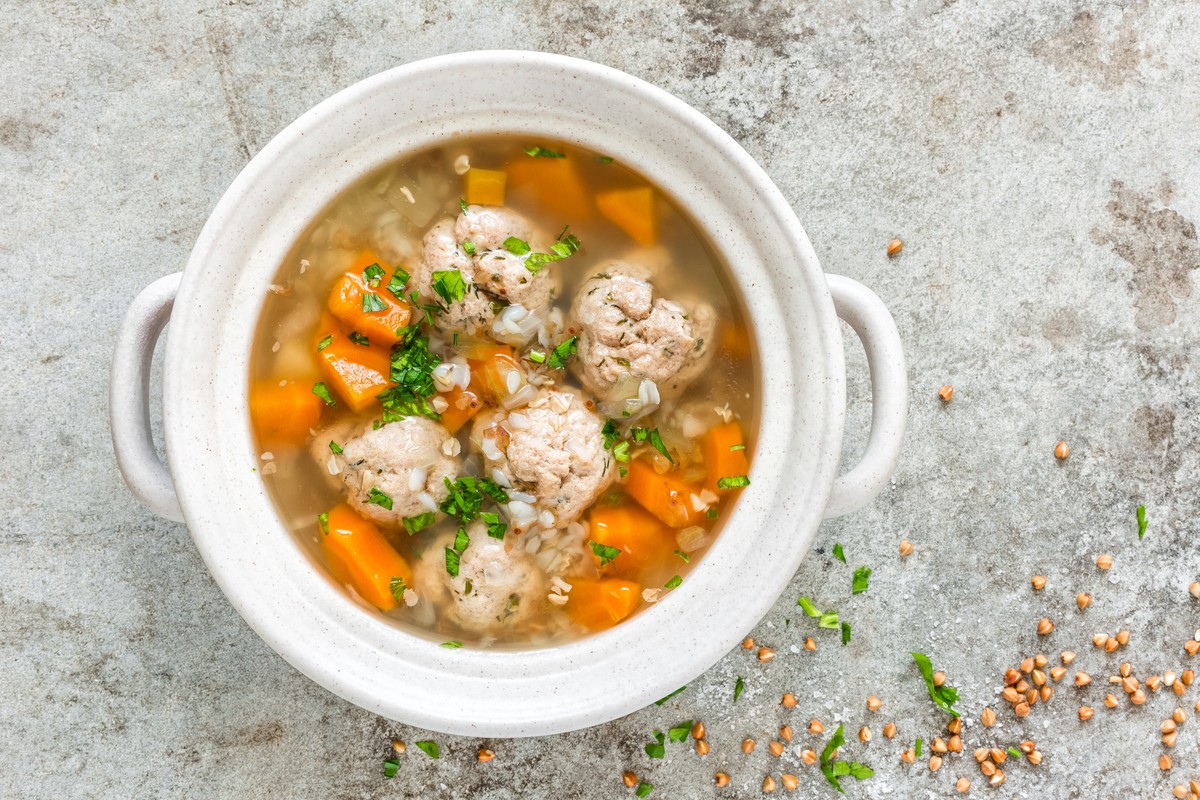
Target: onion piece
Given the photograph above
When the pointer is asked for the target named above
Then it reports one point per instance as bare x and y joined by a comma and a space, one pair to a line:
691, 538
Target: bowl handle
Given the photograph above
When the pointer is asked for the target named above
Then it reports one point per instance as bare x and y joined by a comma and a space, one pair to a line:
868, 316
129, 399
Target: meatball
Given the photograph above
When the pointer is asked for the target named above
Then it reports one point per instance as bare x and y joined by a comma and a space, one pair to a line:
405, 461
494, 276
496, 585
550, 454
627, 336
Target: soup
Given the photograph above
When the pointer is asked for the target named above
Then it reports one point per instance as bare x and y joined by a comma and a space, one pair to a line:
502, 392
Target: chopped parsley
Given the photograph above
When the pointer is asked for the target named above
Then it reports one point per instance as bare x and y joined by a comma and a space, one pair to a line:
495, 527
604, 159
1141, 518
560, 355
537, 356
397, 587
825, 619
738, 687
558, 251
1014, 752
862, 579
429, 748
733, 448
412, 366
452, 561
449, 285
378, 498
451, 645
944, 696
328, 340
917, 747
322, 391
518, 247
466, 497
335, 448
733, 482
668, 697
419, 523
680, 731
845, 633
373, 275
839, 553
390, 768
834, 770
397, 283
323, 521
468, 247
606, 554
657, 748
674, 582
654, 437
462, 204
610, 433
643, 789
621, 452
712, 513
541, 152
359, 339
461, 540
372, 303
686, 558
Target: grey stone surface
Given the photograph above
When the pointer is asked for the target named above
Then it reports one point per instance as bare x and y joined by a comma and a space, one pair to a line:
1041, 162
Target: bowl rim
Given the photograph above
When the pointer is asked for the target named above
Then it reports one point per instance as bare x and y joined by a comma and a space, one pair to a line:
320, 634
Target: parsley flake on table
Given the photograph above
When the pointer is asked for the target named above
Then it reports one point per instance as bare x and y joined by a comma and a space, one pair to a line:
1141, 518
657, 748
680, 731
944, 696
862, 579
668, 697
834, 770
839, 553
390, 768
737, 688
845, 633
644, 789
429, 748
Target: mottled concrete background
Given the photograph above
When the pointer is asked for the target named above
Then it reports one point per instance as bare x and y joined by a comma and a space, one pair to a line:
1040, 160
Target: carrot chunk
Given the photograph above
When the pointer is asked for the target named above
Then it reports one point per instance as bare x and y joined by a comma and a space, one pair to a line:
355, 372
283, 414
484, 186
720, 457
360, 555
494, 369
555, 183
371, 310
733, 339
665, 496
464, 404
631, 210
600, 604
641, 537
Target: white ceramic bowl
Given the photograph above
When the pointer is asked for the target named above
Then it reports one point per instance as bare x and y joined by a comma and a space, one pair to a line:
285, 596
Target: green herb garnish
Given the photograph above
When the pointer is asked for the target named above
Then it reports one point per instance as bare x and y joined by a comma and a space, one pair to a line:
604, 159
397, 283
451, 645
845, 633
378, 498
328, 340
452, 562
737, 688
1014, 752
917, 747
839, 553
834, 770
461, 540
680, 731
419, 523
537, 356
429, 748
323, 521
712, 513
733, 482
606, 554
335, 448
322, 391
373, 275
1141, 518
674, 582
610, 433
372, 303
518, 247
412, 365
684, 556
495, 526
668, 697
541, 152
733, 448
657, 749
449, 285
862, 579
462, 204
359, 339
390, 768
466, 494
944, 696
643, 789
468, 247
560, 355
397, 587
558, 251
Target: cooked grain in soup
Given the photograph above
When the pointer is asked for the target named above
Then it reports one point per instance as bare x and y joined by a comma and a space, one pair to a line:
503, 392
